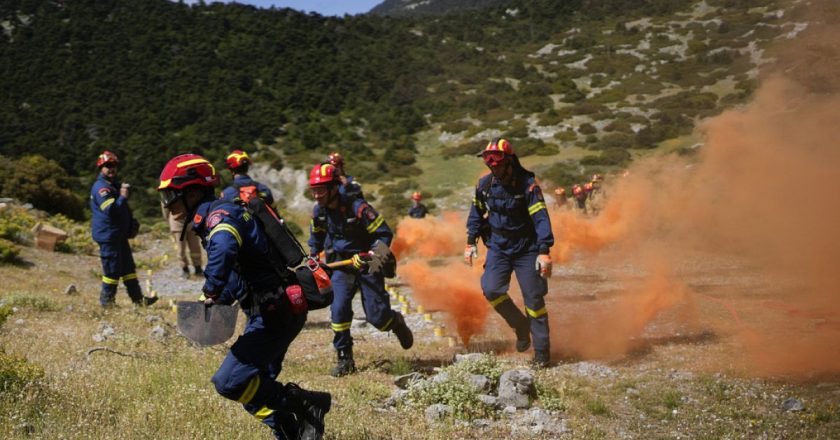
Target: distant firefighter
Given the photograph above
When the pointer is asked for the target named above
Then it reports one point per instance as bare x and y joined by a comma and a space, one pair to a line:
580, 195
417, 210
560, 196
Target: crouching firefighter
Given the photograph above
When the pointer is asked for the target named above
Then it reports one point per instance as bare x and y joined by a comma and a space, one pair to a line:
352, 226
237, 250
510, 201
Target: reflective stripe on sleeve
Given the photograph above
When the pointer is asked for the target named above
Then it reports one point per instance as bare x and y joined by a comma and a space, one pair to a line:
375, 224
536, 207
227, 228
106, 204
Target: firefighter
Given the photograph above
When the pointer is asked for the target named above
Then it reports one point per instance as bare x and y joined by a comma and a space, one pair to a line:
560, 196
244, 188
190, 241
511, 202
350, 187
580, 196
417, 210
237, 250
111, 227
352, 226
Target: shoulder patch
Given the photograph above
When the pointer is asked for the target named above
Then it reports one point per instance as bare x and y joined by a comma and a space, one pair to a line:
197, 219
215, 217
537, 191
104, 191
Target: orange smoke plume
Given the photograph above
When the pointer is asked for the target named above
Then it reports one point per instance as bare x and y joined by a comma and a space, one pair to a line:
431, 236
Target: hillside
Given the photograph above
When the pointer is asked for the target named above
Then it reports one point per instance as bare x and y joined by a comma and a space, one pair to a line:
419, 8
564, 80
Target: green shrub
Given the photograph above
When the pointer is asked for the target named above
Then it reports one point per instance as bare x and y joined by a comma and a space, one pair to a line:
28, 300
609, 157
5, 312
16, 373
8, 251
42, 182
587, 128
15, 223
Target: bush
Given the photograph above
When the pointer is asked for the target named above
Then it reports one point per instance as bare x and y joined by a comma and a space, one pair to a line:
8, 251
28, 300
609, 157
587, 128
16, 373
42, 182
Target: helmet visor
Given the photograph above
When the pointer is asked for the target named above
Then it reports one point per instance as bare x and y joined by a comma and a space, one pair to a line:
169, 196
493, 158
319, 191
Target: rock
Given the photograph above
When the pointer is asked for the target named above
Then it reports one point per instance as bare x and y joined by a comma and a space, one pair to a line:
159, 332
152, 318
19, 321
442, 377
480, 383
537, 421
491, 401
590, 369
468, 357
406, 380
793, 405
71, 290
632, 392
437, 412
98, 338
482, 423
106, 330
509, 411
395, 398
516, 388
27, 206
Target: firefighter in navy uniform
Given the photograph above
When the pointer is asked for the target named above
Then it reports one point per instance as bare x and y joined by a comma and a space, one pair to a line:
111, 227
244, 188
511, 203
417, 210
352, 227
237, 261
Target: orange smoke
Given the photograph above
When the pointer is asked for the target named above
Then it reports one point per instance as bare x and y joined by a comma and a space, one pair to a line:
431, 236
453, 288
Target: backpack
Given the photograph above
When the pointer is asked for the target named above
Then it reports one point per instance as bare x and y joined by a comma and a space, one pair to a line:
288, 254
246, 193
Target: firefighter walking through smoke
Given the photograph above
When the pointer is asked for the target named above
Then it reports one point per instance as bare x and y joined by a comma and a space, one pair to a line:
509, 200
417, 209
238, 260
112, 225
352, 226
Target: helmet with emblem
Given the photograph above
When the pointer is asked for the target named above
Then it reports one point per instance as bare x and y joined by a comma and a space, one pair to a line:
497, 151
184, 171
416, 196
107, 157
237, 159
323, 174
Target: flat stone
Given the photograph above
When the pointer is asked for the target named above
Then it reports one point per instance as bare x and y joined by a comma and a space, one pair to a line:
437, 412
793, 405
406, 380
480, 383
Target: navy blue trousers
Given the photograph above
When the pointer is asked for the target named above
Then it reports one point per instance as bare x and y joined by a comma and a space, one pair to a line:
118, 264
374, 299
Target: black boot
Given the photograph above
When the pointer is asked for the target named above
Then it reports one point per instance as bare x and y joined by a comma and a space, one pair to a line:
198, 271
345, 364
311, 408
542, 359
185, 273
402, 331
523, 338
148, 300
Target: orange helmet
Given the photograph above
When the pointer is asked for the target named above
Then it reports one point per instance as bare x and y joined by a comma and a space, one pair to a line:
183, 171
323, 174
416, 196
587, 186
576, 189
335, 159
236, 159
560, 191
107, 157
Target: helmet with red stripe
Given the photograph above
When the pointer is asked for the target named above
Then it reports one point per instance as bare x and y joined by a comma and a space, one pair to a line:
107, 157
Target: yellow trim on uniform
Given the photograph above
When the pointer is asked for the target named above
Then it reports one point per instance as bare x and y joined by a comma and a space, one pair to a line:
228, 228
111, 281
499, 300
536, 313
315, 228
341, 326
375, 224
263, 412
131, 276
106, 204
387, 325
536, 207
250, 390
478, 203
192, 162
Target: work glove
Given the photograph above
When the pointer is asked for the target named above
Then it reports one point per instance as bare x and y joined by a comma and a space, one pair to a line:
543, 266
360, 260
470, 254
208, 298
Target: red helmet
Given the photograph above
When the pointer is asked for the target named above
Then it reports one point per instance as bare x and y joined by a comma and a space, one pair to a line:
576, 189
587, 186
236, 159
323, 174
416, 196
106, 157
336, 159
496, 151
183, 171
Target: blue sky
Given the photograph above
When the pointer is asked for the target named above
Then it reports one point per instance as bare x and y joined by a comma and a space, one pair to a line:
323, 7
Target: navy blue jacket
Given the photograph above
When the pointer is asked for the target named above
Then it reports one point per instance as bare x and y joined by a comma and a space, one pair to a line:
234, 242
231, 193
517, 215
418, 211
352, 228
111, 217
